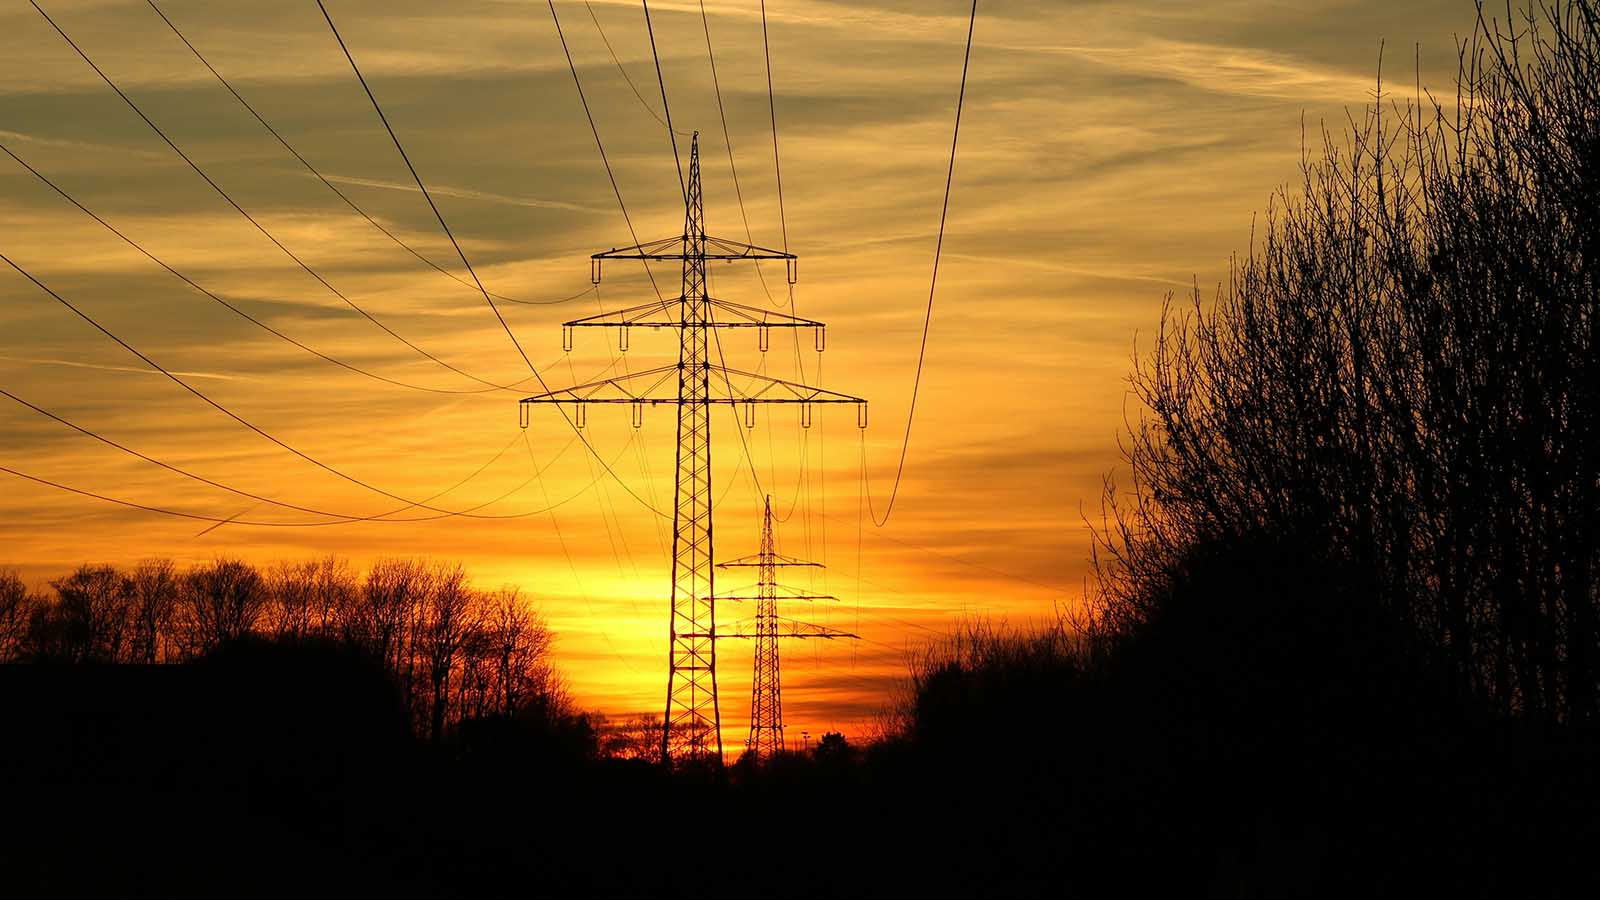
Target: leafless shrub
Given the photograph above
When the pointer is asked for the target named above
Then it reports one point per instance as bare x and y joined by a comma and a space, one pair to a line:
1403, 374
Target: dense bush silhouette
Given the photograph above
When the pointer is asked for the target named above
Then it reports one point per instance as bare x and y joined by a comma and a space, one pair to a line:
1402, 376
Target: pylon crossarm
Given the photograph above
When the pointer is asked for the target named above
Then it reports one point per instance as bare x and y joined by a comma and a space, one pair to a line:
642, 316
730, 249
672, 248
765, 389
794, 628
786, 628
756, 560
660, 385
748, 636
744, 316
781, 592
668, 313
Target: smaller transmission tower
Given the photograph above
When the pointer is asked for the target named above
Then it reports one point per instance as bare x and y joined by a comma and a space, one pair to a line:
766, 693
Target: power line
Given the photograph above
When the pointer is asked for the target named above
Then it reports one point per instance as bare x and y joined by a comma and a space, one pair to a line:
953, 558
241, 210
783, 221
727, 141
927, 318
425, 194
343, 518
599, 145
329, 184
236, 520
462, 254
625, 76
207, 400
665, 106
772, 112
230, 306
184, 472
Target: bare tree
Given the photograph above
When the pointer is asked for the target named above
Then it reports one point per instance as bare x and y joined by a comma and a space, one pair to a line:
89, 620
153, 589
1403, 375
388, 610
14, 614
221, 601
453, 652
637, 737
335, 588
520, 643
505, 660
447, 616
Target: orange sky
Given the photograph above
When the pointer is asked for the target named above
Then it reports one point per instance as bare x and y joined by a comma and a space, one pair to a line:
1110, 153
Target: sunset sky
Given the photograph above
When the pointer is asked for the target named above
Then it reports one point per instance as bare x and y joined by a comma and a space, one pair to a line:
1110, 153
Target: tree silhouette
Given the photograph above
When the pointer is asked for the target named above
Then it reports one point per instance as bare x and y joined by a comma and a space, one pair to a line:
15, 610
221, 601
1401, 379
153, 595
89, 621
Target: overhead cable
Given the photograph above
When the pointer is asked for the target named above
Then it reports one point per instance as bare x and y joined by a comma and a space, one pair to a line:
330, 185
927, 317
243, 212
468, 263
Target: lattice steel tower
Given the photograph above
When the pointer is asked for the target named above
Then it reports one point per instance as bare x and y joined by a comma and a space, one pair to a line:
692, 726
766, 690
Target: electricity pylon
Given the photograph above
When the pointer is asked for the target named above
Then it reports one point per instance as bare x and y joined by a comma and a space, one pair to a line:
766, 694
692, 726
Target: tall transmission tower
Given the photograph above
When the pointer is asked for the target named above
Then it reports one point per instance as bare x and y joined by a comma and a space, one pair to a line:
692, 725
766, 693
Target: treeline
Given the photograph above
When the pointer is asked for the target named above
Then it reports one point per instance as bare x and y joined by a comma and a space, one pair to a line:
1343, 634
454, 652
1400, 385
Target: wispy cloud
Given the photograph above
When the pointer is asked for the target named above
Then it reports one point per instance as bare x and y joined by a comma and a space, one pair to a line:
74, 364
65, 144
464, 194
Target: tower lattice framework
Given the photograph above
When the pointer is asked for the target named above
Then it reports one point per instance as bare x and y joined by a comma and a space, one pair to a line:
767, 628
692, 727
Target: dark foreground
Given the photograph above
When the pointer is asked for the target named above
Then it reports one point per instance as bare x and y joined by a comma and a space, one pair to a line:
291, 770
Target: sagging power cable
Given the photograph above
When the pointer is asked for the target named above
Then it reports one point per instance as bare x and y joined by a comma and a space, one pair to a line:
377, 107
243, 212
927, 317
330, 185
